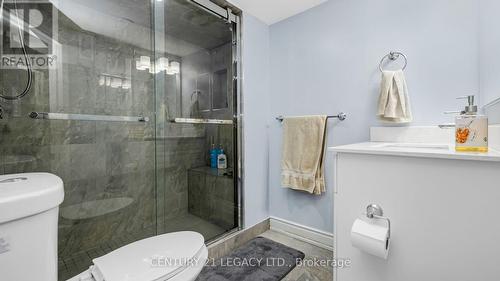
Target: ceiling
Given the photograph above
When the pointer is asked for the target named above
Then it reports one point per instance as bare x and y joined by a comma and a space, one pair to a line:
273, 11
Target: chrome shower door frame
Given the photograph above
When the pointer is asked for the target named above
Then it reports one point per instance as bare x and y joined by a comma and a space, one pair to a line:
238, 128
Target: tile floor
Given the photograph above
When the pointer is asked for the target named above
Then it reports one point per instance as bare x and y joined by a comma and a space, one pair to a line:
190, 222
70, 266
304, 272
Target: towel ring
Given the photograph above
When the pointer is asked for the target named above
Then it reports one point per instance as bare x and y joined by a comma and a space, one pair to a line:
393, 56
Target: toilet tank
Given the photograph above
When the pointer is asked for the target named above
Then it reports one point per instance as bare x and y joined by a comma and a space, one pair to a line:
29, 206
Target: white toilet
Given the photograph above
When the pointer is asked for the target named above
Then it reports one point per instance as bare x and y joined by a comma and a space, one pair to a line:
29, 205
178, 256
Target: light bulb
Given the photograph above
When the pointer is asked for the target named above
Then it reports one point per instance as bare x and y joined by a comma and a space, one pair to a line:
161, 64
102, 80
175, 67
143, 63
170, 71
116, 83
127, 84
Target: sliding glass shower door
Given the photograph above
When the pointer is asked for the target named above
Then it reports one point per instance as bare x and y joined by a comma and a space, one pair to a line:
195, 104
106, 81
88, 117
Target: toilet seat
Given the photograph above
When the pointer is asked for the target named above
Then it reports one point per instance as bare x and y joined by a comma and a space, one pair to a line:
172, 256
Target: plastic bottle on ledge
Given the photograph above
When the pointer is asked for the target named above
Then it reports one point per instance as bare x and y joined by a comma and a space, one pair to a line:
213, 156
222, 160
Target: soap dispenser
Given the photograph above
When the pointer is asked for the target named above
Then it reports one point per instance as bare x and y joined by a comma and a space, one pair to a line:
471, 129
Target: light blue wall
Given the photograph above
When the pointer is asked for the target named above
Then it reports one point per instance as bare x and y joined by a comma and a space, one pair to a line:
255, 54
489, 51
325, 61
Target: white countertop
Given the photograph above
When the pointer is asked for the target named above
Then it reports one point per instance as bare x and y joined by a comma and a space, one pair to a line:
441, 151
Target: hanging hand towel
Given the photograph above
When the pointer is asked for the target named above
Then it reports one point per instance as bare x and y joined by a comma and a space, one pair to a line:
394, 104
303, 153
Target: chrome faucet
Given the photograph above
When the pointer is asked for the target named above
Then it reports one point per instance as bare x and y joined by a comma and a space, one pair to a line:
446, 126
449, 125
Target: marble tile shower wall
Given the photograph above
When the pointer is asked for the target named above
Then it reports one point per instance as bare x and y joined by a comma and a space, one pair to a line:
196, 66
211, 196
180, 155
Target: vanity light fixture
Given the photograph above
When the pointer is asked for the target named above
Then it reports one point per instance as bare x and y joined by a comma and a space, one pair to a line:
161, 64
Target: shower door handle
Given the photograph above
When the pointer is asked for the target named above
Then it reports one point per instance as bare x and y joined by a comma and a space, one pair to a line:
202, 121
86, 117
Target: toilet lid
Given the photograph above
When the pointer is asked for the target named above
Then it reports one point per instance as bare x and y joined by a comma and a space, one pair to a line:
162, 256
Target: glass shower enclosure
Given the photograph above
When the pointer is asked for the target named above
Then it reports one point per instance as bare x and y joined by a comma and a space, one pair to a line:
123, 99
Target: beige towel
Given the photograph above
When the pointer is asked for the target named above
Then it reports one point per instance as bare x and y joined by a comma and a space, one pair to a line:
303, 152
394, 103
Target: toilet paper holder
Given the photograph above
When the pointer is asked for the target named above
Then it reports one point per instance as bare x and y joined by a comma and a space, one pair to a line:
374, 211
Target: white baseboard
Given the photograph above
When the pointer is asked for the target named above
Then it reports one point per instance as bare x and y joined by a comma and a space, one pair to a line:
304, 233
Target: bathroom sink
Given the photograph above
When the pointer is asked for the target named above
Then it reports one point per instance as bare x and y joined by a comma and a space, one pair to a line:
427, 150
415, 146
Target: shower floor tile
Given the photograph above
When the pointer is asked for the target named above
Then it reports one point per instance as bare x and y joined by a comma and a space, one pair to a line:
191, 222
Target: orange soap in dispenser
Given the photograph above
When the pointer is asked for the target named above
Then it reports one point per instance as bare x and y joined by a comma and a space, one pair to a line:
471, 129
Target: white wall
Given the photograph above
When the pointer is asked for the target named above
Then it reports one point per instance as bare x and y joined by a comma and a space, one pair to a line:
326, 60
489, 43
489, 58
276, 10
255, 55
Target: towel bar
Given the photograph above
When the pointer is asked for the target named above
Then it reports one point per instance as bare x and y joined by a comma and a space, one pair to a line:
341, 116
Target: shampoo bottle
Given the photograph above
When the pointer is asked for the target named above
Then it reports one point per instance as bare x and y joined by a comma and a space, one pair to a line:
222, 160
213, 156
